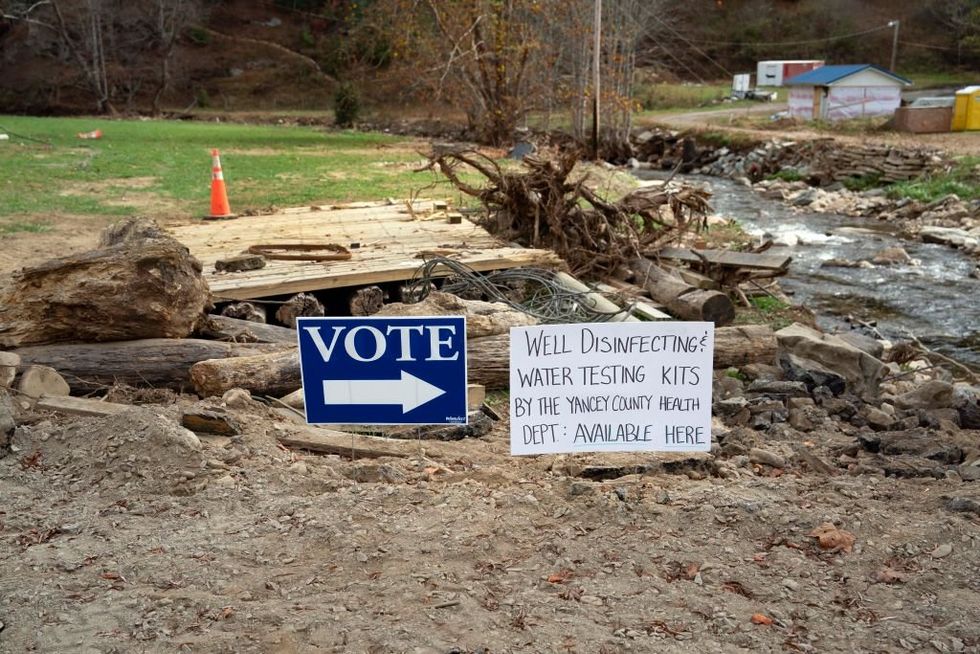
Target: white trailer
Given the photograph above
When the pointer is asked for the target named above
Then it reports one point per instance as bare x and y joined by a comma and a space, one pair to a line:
776, 71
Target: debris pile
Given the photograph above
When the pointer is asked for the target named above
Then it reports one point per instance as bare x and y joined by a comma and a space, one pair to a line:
821, 162
543, 206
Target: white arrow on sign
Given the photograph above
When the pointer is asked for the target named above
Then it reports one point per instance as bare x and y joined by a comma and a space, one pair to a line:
409, 391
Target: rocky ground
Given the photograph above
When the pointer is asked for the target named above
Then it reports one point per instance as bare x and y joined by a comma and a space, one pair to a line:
837, 512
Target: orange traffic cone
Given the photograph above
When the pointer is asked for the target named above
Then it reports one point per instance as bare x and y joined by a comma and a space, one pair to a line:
219, 195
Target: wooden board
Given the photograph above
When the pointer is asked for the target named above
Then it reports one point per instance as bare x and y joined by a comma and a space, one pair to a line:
80, 406
357, 446
640, 308
727, 258
390, 239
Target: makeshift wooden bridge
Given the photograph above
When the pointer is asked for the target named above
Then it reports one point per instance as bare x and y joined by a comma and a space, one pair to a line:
387, 243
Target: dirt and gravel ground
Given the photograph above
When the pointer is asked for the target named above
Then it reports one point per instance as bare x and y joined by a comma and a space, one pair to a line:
126, 534
954, 143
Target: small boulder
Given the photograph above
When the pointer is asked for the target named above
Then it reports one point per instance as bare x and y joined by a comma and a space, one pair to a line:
811, 374
765, 457
893, 256
877, 419
861, 371
36, 381
966, 401
864, 343
8, 368
7, 422
934, 394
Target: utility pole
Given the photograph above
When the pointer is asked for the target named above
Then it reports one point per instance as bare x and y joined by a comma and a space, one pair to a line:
596, 56
894, 24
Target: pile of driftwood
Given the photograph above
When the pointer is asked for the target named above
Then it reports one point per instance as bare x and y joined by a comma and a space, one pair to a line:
546, 206
542, 205
135, 312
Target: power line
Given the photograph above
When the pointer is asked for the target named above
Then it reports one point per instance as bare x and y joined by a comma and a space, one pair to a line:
925, 45
803, 42
696, 48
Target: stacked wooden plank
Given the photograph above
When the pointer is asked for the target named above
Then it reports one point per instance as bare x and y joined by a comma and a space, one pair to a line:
387, 243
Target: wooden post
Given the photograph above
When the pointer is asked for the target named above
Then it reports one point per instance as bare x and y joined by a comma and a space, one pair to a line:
596, 57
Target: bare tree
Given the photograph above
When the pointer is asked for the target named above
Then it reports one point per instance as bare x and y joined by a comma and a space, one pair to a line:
114, 46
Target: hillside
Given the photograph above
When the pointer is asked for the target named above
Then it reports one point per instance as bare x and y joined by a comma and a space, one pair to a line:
115, 56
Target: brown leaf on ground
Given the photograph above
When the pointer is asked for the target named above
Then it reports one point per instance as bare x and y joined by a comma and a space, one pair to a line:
889, 575
831, 538
761, 618
560, 577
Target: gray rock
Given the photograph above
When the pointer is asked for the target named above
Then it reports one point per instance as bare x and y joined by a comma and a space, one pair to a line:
914, 442
968, 473
778, 388
811, 374
893, 256
863, 343
963, 505
967, 404
8, 368
7, 422
765, 457
861, 371
730, 406
800, 419
934, 394
877, 419
950, 236
804, 198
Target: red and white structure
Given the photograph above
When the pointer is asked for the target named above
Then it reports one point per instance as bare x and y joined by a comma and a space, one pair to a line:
777, 71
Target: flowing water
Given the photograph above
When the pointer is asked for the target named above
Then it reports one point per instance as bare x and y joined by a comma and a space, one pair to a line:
936, 299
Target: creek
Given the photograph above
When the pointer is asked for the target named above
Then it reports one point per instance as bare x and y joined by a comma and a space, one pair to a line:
936, 299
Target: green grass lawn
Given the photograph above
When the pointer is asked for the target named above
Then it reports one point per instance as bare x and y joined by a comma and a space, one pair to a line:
162, 168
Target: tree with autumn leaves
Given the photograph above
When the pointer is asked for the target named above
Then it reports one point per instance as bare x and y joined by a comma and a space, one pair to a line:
500, 60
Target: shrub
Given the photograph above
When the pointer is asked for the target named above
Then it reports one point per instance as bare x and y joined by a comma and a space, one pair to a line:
346, 105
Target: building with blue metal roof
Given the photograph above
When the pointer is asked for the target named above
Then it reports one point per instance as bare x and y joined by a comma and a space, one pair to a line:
845, 91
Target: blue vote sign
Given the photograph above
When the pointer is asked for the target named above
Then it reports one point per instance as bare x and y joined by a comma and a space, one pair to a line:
384, 370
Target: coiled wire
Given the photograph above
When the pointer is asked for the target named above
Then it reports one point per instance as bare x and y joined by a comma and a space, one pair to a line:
542, 296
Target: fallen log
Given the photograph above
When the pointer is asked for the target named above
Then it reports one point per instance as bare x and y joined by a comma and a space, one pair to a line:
743, 344
366, 301
683, 300
278, 374
482, 318
157, 362
274, 374
487, 360
140, 283
224, 328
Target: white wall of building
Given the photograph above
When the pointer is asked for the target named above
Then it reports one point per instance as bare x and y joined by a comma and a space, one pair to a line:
845, 102
801, 102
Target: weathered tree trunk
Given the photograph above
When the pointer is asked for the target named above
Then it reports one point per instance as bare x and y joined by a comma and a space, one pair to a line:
683, 300
277, 373
137, 284
488, 363
225, 328
744, 344
158, 362
274, 374
482, 318
299, 306
366, 301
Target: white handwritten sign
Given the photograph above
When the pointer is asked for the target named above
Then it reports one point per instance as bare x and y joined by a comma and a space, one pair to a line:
611, 387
